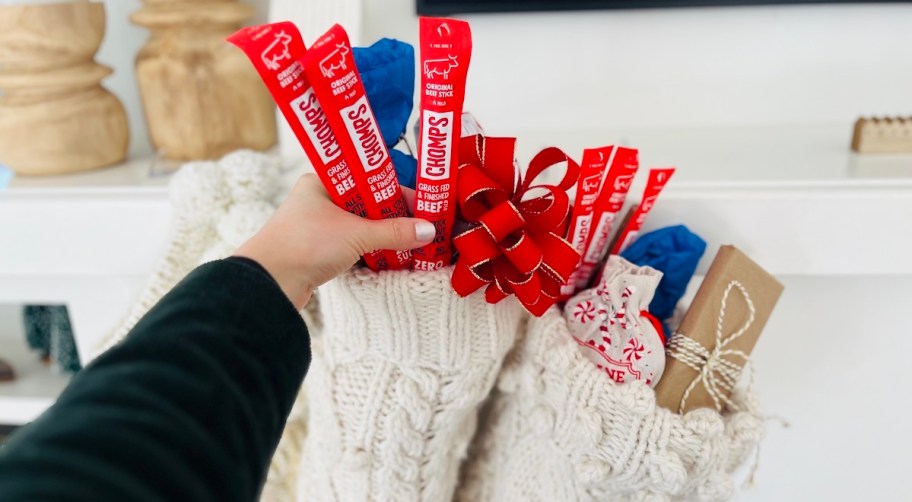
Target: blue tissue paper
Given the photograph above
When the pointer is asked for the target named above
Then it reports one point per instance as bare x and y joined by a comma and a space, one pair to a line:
675, 251
388, 72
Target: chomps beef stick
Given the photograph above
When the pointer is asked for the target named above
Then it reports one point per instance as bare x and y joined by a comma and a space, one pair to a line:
617, 183
658, 178
587, 190
275, 51
446, 48
330, 67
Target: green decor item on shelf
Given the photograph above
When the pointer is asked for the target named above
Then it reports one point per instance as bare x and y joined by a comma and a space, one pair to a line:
48, 331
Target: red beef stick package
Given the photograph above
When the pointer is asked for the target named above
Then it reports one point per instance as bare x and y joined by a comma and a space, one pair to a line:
610, 202
330, 67
446, 48
592, 171
658, 178
275, 51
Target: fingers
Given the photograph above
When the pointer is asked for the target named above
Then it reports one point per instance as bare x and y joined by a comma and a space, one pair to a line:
409, 195
398, 234
309, 185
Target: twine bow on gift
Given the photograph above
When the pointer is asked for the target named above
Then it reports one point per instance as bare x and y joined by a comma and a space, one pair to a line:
718, 374
516, 244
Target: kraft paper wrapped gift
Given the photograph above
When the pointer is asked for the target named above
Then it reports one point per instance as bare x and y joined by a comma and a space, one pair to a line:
706, 354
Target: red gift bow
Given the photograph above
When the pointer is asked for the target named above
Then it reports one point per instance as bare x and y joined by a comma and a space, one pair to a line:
516, 245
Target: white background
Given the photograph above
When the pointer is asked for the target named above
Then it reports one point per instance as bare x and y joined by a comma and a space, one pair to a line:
693, 67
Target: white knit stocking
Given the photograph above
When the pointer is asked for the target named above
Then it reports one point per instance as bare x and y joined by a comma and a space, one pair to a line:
395, 384
216, 207
558, 429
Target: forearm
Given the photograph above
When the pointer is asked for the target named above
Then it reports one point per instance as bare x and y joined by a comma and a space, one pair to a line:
189, 407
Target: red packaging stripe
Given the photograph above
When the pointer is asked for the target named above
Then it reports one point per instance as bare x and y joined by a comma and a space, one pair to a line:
330, 67
614, 190
658, 178
587, 191
275, 51
446, 48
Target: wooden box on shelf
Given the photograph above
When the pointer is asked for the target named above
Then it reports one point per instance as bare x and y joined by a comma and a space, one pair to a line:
883, 135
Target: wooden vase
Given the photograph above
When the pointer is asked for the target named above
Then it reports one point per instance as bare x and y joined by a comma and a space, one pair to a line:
55, 117
201, 96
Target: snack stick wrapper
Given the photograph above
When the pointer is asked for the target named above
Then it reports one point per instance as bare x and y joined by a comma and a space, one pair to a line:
330, 67
446, 48
611, 199
592, 172
275, 51
658, 178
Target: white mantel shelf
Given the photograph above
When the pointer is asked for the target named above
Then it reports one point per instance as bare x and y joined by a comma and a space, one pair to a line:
86, 240
794, 198
90, 240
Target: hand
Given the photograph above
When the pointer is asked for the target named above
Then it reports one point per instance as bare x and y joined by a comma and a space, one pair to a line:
309, 240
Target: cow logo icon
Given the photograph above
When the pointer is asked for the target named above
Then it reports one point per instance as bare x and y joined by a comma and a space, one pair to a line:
443, 30
623, 182
592, 182
661, 177
440, 67
277, 51
334, 61
647, 204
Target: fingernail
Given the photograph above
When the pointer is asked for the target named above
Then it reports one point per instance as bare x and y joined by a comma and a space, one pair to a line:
425, 231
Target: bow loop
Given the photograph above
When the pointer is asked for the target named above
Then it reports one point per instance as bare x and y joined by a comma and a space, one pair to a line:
546, 159
548, 211
502, 220
495, 157
525, 255
476, 192
515, 246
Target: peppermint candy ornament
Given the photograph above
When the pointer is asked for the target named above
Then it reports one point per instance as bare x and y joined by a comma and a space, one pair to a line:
584, 312
611, 324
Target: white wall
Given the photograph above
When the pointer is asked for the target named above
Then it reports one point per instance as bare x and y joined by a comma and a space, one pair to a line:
679, 67
118, 50
632, 69
846, 442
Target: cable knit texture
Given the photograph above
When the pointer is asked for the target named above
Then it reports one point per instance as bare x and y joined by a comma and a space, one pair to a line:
216, 207
395, 384
557, 428
400, 365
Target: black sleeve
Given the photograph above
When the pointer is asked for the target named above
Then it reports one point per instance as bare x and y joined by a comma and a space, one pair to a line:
189, 407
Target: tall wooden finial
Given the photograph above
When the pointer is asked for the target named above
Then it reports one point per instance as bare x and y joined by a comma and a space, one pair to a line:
55, 117
201, 96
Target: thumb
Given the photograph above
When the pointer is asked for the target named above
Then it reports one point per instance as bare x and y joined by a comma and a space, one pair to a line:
399, 234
